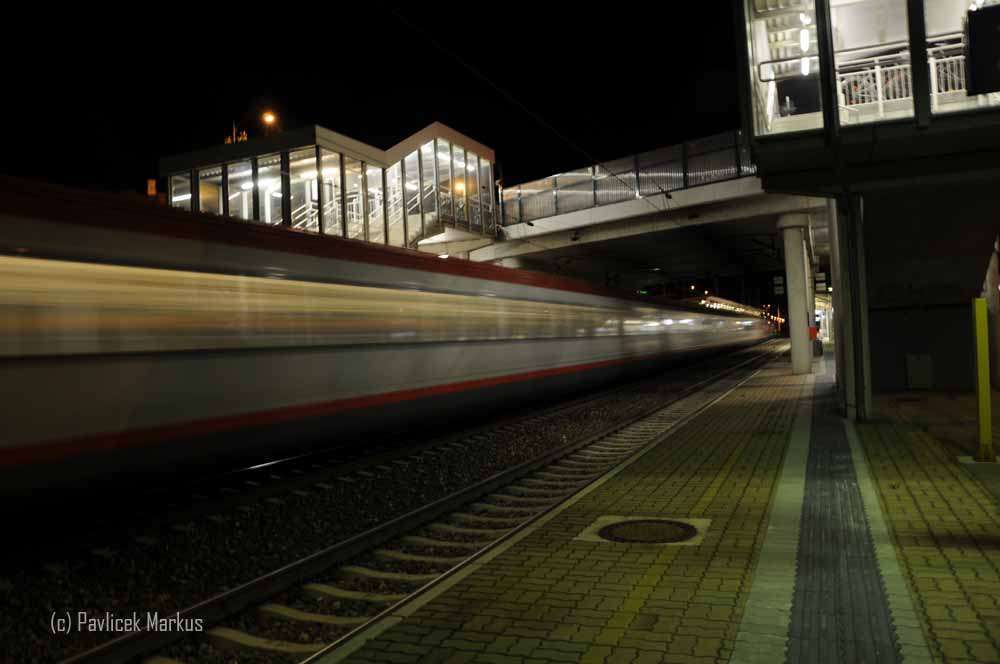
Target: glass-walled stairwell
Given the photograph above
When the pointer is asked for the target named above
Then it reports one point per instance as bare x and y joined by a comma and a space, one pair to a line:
784, 66
318, 190
872, 63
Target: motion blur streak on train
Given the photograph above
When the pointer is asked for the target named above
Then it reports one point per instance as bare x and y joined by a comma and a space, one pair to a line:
53, 307
138, 339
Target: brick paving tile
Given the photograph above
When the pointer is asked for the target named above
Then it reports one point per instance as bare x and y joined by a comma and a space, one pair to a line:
944, 524
552, 599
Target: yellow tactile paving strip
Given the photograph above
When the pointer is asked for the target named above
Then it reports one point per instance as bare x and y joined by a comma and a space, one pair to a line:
946, 528
551, 598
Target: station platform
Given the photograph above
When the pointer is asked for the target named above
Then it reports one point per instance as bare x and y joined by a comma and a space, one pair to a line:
818, 541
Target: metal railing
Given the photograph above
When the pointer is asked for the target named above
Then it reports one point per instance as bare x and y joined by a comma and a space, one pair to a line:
712, 159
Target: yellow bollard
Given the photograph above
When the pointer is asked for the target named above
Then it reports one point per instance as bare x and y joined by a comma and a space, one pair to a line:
982, 337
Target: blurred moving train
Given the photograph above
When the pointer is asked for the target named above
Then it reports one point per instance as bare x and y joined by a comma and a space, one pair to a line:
134, 337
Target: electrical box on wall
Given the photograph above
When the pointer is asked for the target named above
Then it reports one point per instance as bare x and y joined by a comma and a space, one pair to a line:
982, 44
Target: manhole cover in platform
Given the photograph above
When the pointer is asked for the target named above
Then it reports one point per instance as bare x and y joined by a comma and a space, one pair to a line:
645, 530
648, 531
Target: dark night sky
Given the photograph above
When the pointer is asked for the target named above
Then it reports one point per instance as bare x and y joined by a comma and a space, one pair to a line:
98, 106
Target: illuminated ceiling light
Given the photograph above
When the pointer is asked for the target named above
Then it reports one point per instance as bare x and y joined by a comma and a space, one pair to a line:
460, 187
182, 197
411, 187
692, 286
308, 175
240, 174
246, 186
804, 40
471, 168
276, 194
805, 64
805, 19
442, 255
269, 118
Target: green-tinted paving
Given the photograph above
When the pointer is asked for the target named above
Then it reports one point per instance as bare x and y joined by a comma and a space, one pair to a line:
552, 598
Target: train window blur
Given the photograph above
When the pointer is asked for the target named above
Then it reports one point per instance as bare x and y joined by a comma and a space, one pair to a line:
304, 189
210, 190
394, 202
443, 155
376, 213
180, 191
411, 193
458, 183
355, 203
269, 186
241, 190
472, 189
333, 214
429, 188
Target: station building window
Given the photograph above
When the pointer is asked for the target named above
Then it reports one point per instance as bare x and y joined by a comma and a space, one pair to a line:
472, 190
784, 66
429, 187
486, 194
376, 211
353, 176
946, 53
394, 204
304, 189
180, 191
269, 188
210, 190
240, 178
333, 214
412, 198
460, 191
872, 57
443, 155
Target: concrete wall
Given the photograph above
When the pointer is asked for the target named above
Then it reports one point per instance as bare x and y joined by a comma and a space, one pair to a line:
927, 250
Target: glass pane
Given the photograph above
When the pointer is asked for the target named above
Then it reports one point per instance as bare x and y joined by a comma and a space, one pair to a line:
210, 190
355, 204
458, 183
241, 190
333, 216
429, 188
872, 55
946, 56
376, 227
394, 201
180, 191
472, 189
444, 179
784, 67
304, 189
269, 185
486, 193
576, 190
412, 193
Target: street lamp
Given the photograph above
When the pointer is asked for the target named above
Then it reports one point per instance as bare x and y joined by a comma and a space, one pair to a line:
270, 121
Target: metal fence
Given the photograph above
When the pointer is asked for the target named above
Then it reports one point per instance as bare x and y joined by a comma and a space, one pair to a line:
712, 159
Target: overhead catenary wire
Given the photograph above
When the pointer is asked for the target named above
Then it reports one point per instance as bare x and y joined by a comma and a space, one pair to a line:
524, 108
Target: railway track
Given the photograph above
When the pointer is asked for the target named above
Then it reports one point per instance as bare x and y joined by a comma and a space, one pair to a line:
319, 603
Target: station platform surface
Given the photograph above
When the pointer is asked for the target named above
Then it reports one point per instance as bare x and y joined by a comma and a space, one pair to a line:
819, 541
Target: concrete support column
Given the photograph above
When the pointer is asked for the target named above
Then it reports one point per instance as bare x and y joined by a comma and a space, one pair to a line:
841, 298
793, 228
851, 293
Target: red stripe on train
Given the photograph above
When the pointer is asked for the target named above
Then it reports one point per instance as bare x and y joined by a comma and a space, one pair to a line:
62, 448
